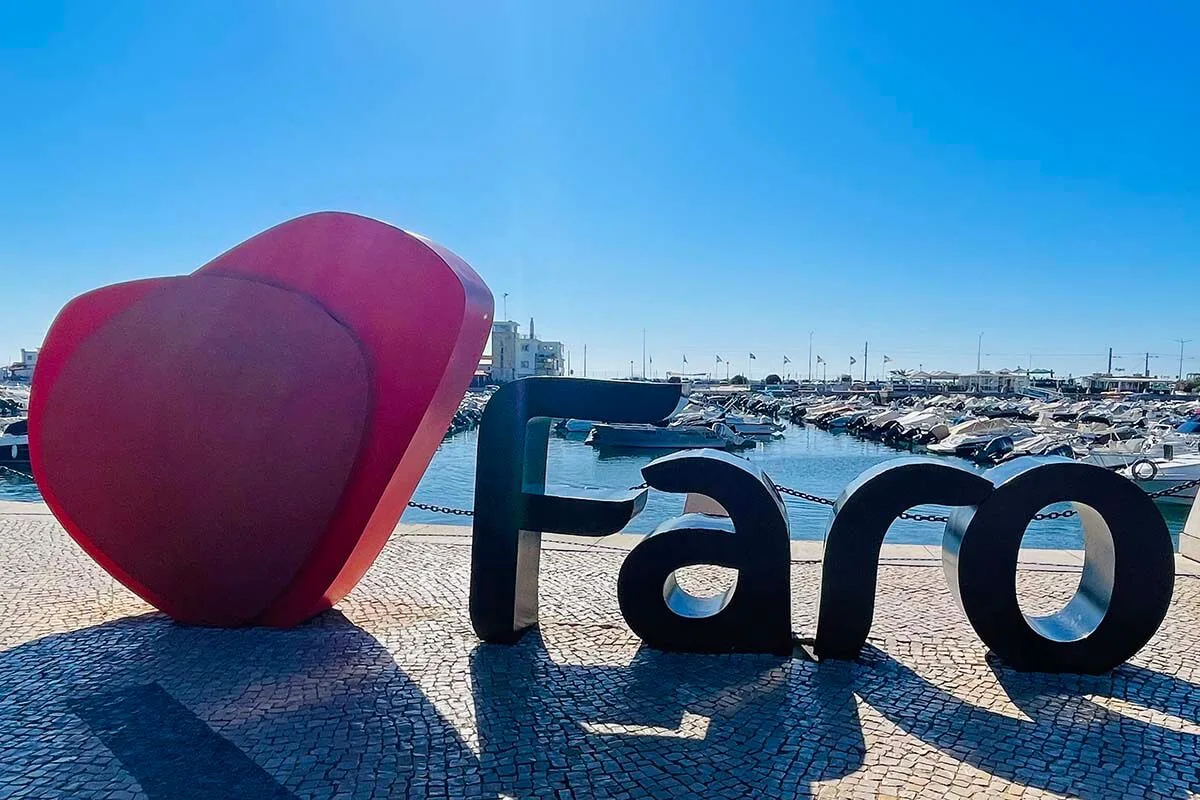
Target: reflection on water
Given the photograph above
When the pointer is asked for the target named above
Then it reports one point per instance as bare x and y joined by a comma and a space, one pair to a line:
807, 458
17, 487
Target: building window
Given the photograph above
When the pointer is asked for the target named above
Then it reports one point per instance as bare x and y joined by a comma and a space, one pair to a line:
524, 348
525, 365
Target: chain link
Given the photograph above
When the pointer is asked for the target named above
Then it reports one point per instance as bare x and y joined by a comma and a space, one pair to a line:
825, 501
1176, 489
924, 517
16, 472
459, 512
811, 498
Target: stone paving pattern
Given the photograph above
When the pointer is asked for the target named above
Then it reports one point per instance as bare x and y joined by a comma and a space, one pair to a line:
391, 695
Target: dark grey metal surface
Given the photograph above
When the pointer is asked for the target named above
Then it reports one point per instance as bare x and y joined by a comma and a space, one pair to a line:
754, 615
862, 515
512, 505
1128, 572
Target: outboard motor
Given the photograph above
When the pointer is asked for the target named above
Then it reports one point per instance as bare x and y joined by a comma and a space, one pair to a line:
995, 450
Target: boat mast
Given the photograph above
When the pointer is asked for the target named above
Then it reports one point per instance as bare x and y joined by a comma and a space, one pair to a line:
643, 354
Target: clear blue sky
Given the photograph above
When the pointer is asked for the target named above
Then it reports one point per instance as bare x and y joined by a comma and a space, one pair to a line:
727, 176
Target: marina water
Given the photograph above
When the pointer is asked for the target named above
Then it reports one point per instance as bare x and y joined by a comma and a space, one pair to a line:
807, 458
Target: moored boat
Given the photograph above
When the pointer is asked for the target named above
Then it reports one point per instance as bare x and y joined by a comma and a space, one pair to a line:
670, 437
14, 444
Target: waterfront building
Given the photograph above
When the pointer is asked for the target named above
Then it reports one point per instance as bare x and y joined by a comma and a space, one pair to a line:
1001, 381
1098, 383
23, 370
515, 356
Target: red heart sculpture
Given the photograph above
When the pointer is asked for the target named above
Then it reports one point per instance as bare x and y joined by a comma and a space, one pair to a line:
236, 445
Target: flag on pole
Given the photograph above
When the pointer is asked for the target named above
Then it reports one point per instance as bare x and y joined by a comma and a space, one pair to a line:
853, 360
886, 359
787, 360
820, 360
685, 359
752, 356
718, 359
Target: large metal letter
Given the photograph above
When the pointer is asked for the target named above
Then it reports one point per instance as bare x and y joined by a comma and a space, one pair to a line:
862, 515
512, 506
1128, 569
754, 615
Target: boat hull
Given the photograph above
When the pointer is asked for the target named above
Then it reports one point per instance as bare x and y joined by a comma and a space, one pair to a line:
652, 438
1184, 498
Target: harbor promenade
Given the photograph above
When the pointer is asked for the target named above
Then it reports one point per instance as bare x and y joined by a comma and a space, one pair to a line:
392, 695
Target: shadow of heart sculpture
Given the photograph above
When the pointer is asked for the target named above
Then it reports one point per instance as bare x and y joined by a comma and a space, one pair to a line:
236, 445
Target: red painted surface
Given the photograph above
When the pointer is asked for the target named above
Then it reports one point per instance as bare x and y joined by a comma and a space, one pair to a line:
237, 445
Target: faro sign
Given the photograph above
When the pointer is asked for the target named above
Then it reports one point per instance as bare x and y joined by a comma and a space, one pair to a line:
274, 410
1123, 595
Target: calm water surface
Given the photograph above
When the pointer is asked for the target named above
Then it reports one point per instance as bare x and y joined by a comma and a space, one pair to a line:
809, 459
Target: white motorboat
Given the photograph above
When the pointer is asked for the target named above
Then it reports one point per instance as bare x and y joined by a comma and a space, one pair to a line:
670, 437
752, 426
1160, 443
14, 444
917, 425
967, 437
1157, 474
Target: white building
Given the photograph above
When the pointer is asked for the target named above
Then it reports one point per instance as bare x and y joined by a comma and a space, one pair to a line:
516, 356
23, 370
1127, 383
1001, 381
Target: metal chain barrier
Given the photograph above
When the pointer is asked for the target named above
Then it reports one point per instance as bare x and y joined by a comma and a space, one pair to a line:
460, 512
825, 501
1170, 490
18, 473
810, 498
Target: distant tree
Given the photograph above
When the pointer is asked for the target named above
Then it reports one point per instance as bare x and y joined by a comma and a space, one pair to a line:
739, 379
773, 379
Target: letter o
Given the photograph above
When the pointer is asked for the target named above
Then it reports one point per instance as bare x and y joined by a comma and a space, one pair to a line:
1128, 572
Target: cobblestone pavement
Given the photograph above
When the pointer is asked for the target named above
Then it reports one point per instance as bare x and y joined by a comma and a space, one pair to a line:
391, 695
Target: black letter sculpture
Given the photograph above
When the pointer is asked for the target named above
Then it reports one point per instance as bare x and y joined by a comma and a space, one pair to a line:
512, 505
862, 515
1128, 568
753, 616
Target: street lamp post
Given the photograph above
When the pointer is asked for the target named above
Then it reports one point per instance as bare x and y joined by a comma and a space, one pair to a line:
810, 337
1182, 342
